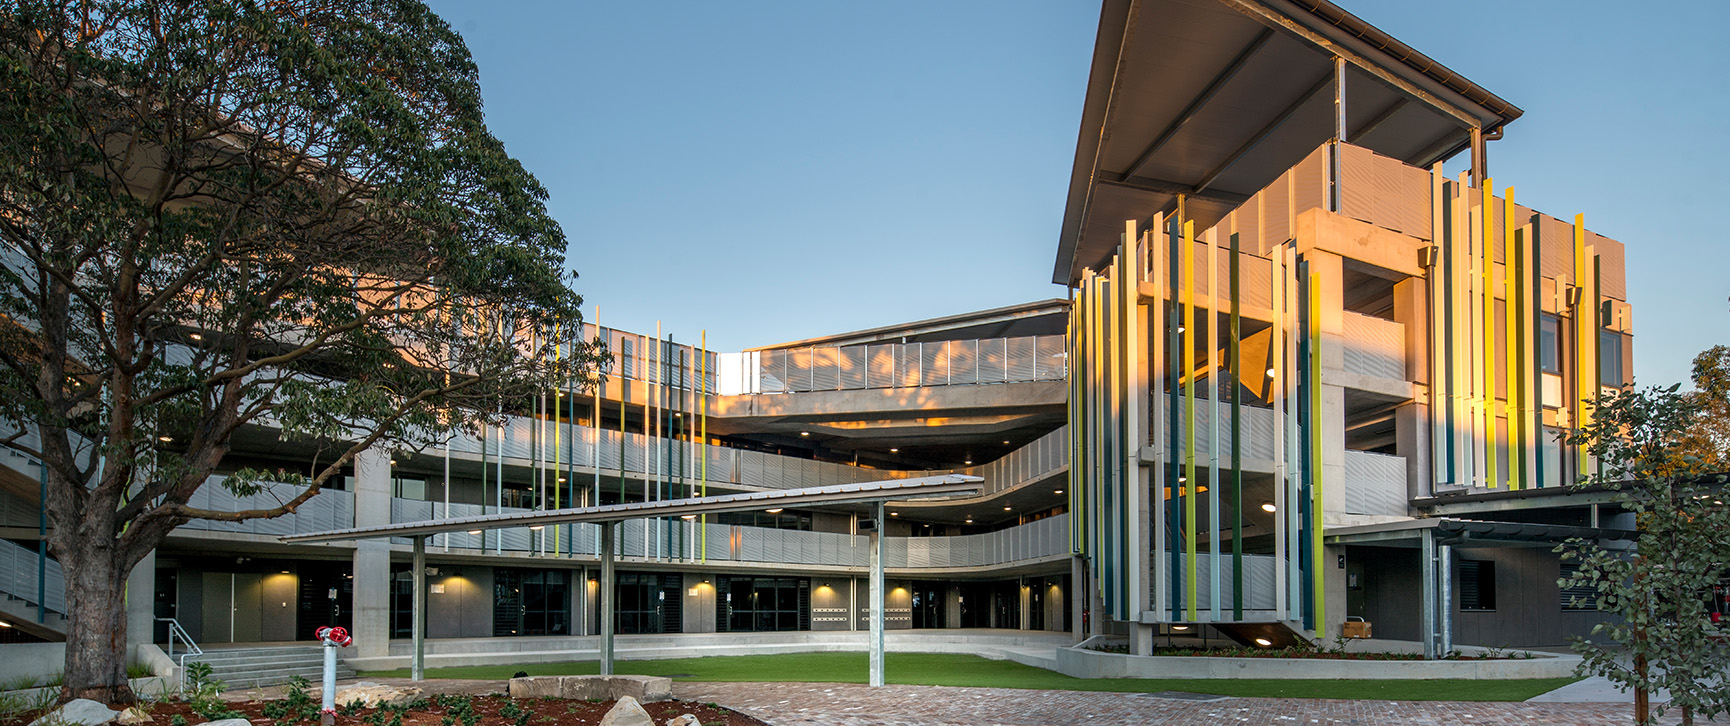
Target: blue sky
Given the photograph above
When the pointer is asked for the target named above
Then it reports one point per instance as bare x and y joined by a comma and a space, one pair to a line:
771, 171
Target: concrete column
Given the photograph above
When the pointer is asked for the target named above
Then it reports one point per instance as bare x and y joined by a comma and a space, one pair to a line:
1334, 588
372, 556
1333, 414
141, 602
1077, 586
1095, 607
1412, 420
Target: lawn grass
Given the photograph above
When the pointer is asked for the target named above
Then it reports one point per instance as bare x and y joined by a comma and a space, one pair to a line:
944, 669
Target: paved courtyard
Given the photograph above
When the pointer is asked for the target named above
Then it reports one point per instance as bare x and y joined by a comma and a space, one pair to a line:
801, 704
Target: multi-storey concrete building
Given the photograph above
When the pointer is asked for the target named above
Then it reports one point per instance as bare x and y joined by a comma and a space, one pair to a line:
1306, 373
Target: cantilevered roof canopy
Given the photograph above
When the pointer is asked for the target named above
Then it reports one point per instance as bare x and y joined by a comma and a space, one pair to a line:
946, 485
1468, 533
1214, 99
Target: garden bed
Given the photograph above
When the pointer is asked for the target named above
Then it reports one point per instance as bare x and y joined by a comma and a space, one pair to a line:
440, 710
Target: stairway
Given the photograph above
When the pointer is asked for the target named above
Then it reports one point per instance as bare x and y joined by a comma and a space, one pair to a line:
270, 666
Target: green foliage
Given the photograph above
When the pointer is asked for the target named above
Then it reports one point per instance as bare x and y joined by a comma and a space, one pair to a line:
203, 693
177, 720
1709, 437
222, 214
516, 713
458, 709
297, 705
1661, 636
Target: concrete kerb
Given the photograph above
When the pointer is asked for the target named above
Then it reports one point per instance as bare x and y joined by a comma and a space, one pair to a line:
1081, 663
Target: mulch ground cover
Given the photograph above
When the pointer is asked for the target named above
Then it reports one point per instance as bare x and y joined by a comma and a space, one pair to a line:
447, 711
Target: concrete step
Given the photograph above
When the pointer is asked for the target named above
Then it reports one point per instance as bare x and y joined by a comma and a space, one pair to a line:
255, 667
21, 614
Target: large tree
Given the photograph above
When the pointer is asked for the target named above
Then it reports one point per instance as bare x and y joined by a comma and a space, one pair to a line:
229, 213
1662, 635
1709, 439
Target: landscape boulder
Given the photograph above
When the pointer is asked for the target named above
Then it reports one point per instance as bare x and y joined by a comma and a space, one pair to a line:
627, 712
133, 715
373, 695
644, 689
684, 719
79, 712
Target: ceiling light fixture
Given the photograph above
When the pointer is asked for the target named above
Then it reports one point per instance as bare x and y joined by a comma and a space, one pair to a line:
776, 510
535, 528
195, 336
894, 514
1268, 507
804, 433
474, 531
687, 516
1180, 628
1006, 509
1263, 642
165, 439
1059, 491
969, 462
892, 451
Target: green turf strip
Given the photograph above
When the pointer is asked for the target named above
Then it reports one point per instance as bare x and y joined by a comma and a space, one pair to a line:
944, 669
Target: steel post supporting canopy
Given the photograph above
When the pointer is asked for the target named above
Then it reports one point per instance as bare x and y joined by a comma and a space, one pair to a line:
1214, 99
946, 485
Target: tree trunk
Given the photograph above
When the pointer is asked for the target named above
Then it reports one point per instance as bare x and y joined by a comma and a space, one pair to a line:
1642, 698
96, 654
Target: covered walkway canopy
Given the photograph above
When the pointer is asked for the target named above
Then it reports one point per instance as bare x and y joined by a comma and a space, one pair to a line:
1437, 537
947, 485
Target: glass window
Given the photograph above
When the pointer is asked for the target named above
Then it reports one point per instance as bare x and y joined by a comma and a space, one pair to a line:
1550, 344
1477, 585
1552, 453
780, 520
763, 604
1610, 358
408, 488
531, 602
648, 603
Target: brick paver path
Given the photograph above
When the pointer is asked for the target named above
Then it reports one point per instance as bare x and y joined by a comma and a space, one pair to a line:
827, 704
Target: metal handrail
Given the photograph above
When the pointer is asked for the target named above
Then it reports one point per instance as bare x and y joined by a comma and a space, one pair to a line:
176, 631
